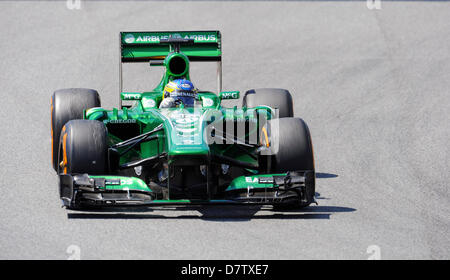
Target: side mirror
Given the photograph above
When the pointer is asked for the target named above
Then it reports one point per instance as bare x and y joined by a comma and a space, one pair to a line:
229, 95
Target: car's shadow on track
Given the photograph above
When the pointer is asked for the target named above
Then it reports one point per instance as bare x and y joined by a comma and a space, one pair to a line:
212, 213
321, 175
216, 213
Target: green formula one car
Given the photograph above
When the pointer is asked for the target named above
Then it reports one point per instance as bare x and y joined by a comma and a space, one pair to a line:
176, 144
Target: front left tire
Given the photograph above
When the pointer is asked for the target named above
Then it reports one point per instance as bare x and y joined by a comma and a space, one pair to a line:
83, 148
69, 104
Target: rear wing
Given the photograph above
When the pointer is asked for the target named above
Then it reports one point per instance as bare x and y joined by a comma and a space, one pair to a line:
146, 46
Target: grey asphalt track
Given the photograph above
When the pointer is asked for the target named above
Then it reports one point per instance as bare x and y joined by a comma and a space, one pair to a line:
373, 85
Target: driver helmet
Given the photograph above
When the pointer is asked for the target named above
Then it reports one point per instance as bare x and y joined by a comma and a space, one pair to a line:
181, 90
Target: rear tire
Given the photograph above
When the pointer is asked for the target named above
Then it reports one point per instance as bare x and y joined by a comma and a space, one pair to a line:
83, 148
69, 104
275, 98
292, 150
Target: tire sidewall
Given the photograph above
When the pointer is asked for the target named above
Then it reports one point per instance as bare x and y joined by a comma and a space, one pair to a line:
69, 104
83, 147
275, 98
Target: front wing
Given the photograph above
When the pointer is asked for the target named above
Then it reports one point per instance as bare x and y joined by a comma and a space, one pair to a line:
78, 190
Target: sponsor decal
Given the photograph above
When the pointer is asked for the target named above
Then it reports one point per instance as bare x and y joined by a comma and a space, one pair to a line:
112, 182
265, 180
207, 102
201, 37
198, 38
148, 39
176, 36
251, 180
229, 94
131, 96
121, 121
129, 38
183, 94
126, 181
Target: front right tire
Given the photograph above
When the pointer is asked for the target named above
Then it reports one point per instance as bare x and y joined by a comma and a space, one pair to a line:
276, 98
291, 150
